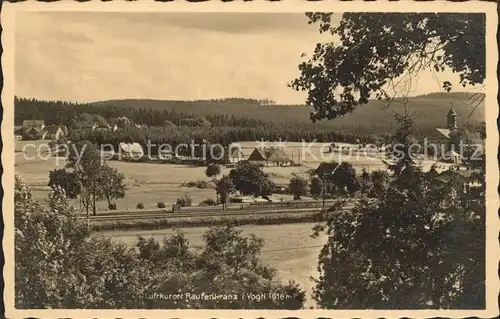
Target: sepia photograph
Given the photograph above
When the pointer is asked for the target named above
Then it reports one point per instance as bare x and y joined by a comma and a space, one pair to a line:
301, 160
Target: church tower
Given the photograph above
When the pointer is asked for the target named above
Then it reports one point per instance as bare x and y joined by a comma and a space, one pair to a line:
452, 119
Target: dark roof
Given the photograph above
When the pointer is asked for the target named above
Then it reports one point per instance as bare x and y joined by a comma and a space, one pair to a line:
444, 131
460, 175
326, 168
257, 155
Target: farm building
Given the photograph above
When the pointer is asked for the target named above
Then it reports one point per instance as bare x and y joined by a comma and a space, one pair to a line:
131, 151
270, 156
257, 156
165, 153
235, 155
105, 127
278, 157
33, 129
462, 180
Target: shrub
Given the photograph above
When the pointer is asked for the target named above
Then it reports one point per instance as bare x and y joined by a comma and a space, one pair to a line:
140, 205
161, 205
184, 201
112, 206
198, 184
208, 202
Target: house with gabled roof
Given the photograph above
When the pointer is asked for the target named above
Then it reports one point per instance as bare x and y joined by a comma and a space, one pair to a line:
33, 129
257, 156
235, 155
132, 151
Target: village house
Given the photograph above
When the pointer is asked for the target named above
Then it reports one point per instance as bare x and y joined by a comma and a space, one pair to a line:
131, 151
268, 156
33, 129
99, 127
461, 180
257, 157
235, 155
278, 157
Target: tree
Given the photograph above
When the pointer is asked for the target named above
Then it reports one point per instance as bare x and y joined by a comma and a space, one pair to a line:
85, 160
402, 151
342, 175
111, 183
122, 122
410, 248
379, 51
68, 181
366, 185
298, 187
86, 117
316, 187
97, 118
380, 180
224, 188
59, 263
212, 170
250, 179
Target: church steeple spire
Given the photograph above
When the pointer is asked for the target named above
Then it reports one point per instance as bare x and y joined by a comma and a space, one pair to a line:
452, 119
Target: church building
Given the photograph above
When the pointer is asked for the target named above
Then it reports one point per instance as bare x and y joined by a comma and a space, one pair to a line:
438, 141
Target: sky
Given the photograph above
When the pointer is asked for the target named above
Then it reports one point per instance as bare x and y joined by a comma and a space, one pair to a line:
95, 56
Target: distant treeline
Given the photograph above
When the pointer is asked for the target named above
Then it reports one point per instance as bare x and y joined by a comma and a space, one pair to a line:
238, 101
223, 135
61, 112
223, 128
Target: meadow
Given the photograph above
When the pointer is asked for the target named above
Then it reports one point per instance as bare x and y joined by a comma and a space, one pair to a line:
151, 183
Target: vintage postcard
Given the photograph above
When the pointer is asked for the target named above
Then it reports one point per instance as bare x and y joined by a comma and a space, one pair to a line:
243, 160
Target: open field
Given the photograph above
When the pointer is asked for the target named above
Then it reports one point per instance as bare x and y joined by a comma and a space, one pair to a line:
288, 248
151, 183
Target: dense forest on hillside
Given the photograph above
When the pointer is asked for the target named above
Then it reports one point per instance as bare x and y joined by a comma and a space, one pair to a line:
430, 111
232, 120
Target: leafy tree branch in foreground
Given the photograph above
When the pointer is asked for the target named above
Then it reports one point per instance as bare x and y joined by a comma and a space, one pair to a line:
372, 53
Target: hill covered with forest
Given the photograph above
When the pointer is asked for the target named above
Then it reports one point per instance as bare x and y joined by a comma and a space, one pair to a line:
429, 110
374, 118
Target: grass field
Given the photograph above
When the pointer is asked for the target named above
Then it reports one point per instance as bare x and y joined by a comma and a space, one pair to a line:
151, 183
288, 248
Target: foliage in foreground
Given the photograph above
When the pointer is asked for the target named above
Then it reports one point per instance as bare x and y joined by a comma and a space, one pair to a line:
377, 48
420, 244
60, 265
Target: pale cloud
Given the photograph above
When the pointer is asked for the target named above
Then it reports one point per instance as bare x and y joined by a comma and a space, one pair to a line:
88, 56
